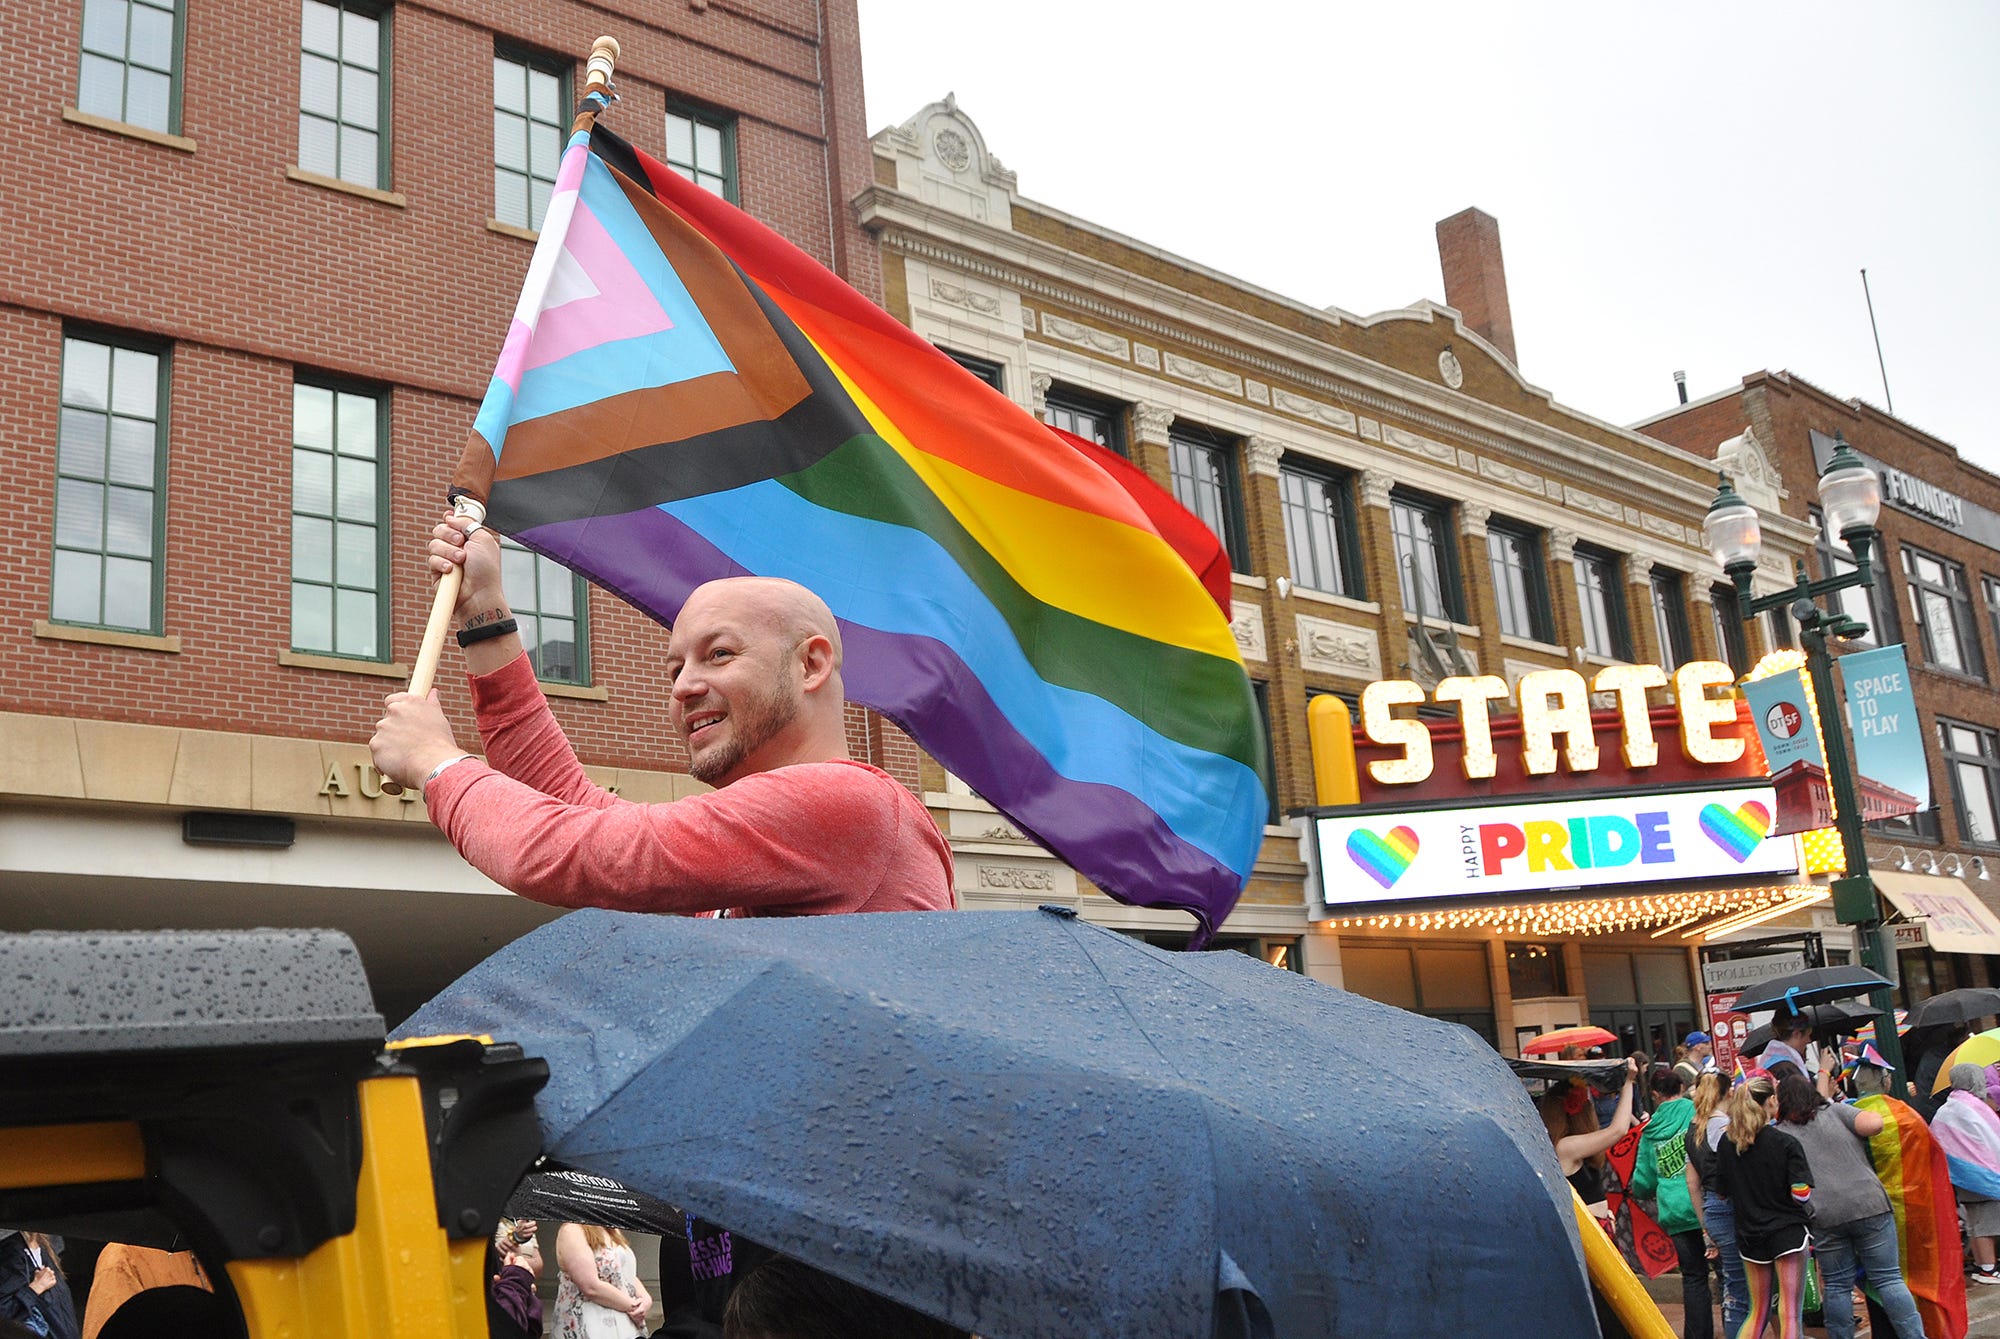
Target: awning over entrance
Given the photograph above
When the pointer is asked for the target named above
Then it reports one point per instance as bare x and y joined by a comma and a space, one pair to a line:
1959, 922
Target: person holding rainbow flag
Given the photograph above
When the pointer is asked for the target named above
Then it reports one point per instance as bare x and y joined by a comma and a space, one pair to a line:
1915, 1172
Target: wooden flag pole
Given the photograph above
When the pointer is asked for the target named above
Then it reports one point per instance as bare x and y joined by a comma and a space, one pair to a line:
431, 650
423, 676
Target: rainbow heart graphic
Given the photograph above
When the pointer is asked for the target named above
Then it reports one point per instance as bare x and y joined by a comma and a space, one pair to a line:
1737, 832
1386, 858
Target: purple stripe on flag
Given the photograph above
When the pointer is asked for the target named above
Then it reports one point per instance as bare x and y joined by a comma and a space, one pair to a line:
654, 561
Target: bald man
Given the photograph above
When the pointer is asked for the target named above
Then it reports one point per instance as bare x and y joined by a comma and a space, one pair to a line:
795, 827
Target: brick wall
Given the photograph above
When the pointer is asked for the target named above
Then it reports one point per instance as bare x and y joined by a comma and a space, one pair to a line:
1785, 410
249, 276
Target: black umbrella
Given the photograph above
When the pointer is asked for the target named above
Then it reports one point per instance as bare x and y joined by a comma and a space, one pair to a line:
553, 1193
1815, 985
1608, 1075
1836, 1018
1956, 1006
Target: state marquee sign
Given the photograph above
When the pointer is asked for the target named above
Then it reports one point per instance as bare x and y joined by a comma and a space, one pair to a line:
1556, 799
1544, 846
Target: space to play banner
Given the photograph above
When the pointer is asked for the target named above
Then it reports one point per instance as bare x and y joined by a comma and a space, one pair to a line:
1526, 847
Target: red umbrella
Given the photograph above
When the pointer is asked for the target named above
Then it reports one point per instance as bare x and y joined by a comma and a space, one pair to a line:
1568, 1036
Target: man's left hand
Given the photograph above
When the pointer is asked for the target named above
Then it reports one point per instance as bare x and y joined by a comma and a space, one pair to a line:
412, 737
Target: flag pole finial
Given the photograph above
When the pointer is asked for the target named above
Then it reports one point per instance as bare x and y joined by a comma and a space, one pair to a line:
597, 70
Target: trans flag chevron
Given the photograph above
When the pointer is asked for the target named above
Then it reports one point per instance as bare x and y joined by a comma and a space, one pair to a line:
684, 395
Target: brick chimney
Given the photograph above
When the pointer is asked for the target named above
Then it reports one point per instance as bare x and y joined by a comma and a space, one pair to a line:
1475, 279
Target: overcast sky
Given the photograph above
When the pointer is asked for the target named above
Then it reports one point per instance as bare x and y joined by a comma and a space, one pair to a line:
1690, 186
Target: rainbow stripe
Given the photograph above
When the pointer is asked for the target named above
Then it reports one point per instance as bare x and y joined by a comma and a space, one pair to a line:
684, 395
1912, 1168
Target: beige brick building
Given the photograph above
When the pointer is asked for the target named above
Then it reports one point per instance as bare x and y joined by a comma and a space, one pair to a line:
1399, 502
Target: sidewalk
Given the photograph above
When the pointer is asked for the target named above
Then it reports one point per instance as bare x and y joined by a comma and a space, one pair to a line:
1982, 1307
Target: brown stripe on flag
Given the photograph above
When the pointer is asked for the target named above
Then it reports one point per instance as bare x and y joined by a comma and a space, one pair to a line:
766, 383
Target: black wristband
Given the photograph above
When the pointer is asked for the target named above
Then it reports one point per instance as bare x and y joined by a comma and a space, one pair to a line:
488, 631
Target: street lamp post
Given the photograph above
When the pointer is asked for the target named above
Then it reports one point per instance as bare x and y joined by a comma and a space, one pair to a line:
1852, 497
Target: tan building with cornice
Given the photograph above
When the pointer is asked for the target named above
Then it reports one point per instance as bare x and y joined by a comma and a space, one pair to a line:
1399, 502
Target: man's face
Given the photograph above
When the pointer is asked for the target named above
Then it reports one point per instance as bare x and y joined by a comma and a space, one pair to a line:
1702, 1050
736, 686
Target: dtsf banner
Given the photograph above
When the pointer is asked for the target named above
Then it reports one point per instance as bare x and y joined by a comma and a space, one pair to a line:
1888, 737
1790, 735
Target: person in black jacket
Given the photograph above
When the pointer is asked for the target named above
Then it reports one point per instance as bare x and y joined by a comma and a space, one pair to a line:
32, 1288
1769, 1183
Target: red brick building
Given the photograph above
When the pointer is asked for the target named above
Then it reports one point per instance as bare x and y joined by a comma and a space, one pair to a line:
1937, 591
263, 259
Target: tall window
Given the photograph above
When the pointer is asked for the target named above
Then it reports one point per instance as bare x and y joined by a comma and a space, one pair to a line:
1600, 599
344, 93
1729, 627
339, 499
1520, 584
1319, 529
548, 602
530, 95
1426, 558
110, 473
129, 62
1972, 756
1087, 416
1203, 465
701, 146
1262, 692
1991, 587
1942, 608
1874, 605
1670, 624
988, 371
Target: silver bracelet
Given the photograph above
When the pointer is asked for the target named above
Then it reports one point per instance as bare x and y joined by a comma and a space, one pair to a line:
441, 766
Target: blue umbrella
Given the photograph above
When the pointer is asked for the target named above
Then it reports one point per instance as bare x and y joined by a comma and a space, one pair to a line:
1030, 1126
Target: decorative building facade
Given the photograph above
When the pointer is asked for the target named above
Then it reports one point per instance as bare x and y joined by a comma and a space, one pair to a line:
1398, 502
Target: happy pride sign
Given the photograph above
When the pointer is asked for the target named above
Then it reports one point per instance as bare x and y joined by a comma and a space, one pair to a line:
1549, 846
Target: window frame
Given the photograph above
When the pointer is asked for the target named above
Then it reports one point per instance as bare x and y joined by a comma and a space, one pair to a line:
382, 587
1989, 587
1877, 599
1451, 580
1986, 761
1731, 642
1670, 620
1261, 691
529, 614
1337, 489
1965, 626
989, 370
1589, 558
162, 351
1538, 606
384, 75
532, 62
1107, 414
175, 63
1221, 449
698, 116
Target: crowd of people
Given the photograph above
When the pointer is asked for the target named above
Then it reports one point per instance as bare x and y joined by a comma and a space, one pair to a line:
1799, 1174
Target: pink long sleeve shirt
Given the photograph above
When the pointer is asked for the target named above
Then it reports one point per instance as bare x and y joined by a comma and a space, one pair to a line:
803, 840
